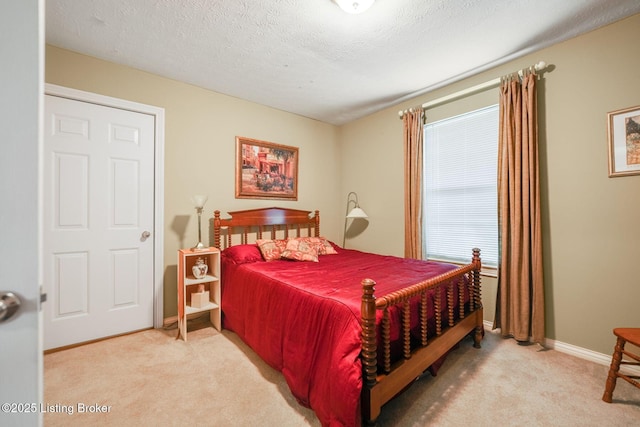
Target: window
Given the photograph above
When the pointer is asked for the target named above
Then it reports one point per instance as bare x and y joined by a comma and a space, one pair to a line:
460, 203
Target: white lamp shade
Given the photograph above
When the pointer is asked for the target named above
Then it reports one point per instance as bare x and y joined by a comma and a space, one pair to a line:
357, 213
199, 200
354, 6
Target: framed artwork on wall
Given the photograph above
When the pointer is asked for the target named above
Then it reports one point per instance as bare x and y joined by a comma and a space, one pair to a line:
624, 142
265, 170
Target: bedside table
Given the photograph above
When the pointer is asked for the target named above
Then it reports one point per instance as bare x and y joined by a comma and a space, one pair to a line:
198, 286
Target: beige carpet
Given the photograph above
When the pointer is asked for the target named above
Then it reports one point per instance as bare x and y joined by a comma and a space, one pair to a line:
150, 379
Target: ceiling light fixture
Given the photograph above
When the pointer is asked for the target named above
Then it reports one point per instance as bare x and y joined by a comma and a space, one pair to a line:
354, 6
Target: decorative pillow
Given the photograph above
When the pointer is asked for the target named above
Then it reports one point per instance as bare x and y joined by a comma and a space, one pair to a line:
242, 254
271, 249
322, 245
327, 247
335, 247
300, 250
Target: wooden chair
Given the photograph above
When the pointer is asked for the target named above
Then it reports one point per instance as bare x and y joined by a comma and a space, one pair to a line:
625, 335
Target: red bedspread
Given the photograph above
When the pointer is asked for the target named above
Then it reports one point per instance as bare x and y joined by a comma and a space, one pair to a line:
303, 319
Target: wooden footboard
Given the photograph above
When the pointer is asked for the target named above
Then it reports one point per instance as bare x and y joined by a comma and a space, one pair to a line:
380, 386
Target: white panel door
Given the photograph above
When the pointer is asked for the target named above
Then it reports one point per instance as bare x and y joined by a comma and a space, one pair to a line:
98, 221
21, 81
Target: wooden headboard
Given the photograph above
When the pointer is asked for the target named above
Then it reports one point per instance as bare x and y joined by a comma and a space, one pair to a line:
259, 221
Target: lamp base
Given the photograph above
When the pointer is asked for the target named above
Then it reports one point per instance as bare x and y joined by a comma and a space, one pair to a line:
199, 247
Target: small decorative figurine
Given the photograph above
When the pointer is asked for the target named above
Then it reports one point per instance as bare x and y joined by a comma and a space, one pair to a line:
200, 268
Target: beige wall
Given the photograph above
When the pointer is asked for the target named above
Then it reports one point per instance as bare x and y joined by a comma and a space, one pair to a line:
590, 221
200, 131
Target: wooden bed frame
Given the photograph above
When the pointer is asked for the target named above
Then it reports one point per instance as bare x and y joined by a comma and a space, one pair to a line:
379, 384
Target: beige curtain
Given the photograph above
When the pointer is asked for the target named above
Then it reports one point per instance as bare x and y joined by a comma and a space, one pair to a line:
520, 300
413, 122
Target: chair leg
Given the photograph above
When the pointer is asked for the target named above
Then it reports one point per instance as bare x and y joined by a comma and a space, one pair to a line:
613, 370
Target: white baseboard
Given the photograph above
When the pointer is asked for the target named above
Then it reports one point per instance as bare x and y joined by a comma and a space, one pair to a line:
582, 353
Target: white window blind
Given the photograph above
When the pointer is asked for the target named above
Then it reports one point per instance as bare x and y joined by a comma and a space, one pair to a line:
460, 209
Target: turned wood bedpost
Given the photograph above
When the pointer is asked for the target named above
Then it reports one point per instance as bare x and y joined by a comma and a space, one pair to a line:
317, 225
477, 298
216, 229
368, 323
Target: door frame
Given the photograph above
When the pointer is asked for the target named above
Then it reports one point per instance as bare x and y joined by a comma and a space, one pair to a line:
158, 210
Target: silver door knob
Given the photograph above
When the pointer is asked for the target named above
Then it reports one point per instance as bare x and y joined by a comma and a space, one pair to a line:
9, 304
145, 236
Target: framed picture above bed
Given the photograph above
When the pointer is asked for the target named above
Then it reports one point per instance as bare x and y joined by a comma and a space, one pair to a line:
265, 170
624, 142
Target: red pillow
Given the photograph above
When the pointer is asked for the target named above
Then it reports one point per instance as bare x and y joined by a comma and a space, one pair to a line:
242, 254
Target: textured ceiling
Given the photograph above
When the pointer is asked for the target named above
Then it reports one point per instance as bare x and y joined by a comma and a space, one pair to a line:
309, 57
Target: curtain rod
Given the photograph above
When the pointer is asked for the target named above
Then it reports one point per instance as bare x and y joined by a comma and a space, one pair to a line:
470, 91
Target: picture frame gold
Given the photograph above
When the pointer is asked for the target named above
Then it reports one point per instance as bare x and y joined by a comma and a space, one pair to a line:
624, 142
266, 170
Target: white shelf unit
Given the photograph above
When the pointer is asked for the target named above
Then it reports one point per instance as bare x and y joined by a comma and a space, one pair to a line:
188, 285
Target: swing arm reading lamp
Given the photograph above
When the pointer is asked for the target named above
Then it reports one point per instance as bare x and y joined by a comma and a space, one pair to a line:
354, 213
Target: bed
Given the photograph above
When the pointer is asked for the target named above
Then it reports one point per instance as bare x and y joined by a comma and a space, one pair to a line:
349, 330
